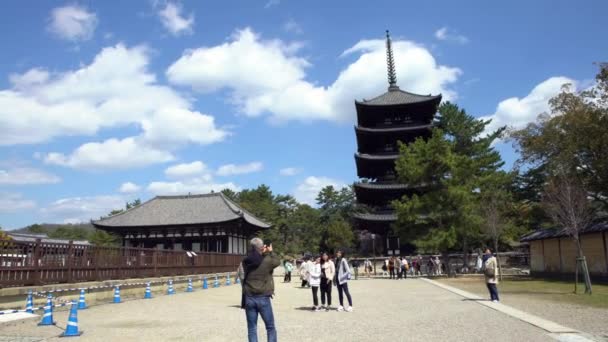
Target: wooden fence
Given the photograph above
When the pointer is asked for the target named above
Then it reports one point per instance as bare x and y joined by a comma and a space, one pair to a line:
38, 263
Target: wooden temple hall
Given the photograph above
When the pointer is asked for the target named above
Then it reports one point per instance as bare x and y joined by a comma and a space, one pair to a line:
198, 223
382, 122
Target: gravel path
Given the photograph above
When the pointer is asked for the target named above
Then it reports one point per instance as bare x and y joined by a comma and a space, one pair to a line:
590, 320
385, 310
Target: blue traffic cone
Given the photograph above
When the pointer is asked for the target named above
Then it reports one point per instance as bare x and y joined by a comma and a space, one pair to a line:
81, 303
205, 285
29, 303
47, 318
237, 280
228, 280
189, 288
116, 295
216, 283
170, 290
72, 328
148, 294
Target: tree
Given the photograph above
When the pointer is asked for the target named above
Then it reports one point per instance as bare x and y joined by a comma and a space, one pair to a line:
339, 234
451, 166
494, 207
103, 238
571, 137
567, 203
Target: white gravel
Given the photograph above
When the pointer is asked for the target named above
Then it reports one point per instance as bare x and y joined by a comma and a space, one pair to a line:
385, 310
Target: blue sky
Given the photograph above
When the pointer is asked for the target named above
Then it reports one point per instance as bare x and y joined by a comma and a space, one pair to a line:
102, 102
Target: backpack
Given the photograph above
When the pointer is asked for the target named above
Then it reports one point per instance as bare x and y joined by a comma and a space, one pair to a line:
489, 271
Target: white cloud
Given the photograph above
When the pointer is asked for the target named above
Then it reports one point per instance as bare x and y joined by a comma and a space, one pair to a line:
293, 27
73, 23
14, 202
234, 169
197, 185
271, 3
289, 171
186, 170
115, 90
110, 154
516, 112
173, 20
272, 79
82, 209
26, 175
446, 34
307, 191
129, 188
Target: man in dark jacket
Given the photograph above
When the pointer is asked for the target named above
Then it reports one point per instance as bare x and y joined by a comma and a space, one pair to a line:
258, 288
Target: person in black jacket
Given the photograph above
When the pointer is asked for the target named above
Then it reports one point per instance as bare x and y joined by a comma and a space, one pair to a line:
258, 288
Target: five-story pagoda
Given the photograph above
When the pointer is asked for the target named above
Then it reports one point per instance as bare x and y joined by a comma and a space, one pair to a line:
394, 116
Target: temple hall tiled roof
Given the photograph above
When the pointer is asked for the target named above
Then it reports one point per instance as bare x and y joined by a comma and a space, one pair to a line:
181, 210
553, 233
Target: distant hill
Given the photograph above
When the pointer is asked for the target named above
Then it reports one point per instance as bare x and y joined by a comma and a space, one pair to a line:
52, 227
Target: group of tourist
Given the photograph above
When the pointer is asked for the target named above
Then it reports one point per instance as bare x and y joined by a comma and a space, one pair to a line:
322, 273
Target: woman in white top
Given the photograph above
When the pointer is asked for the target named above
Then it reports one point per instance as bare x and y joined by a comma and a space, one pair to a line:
314, 279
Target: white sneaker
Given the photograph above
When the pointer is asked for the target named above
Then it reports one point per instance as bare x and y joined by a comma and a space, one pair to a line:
317, 309
349, 309
494, 301
340, 308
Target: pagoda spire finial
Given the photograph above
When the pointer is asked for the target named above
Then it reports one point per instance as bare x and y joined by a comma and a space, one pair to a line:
390, 64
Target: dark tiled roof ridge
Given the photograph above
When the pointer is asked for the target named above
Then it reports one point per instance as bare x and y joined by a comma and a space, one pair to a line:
396, 96
230, 203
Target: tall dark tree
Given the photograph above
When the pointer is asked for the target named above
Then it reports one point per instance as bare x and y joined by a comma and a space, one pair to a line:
453, 164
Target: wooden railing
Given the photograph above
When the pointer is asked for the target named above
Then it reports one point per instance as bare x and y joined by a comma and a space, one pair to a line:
37, 263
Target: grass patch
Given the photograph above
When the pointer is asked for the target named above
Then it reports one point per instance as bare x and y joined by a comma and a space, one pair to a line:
544, 289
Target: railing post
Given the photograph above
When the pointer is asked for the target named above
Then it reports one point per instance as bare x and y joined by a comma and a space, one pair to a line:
96, 262
155, 262
70, 260
37, 271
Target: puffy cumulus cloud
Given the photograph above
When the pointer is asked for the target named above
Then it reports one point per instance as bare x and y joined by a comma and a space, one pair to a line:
186, 170
234, 169
173, 20
516, 112
272, 79
73, 22
82, 209
14, 202
114, 90
129, 188
307, 191
289, 171
196, 185
110, 154
446, 34
25, 176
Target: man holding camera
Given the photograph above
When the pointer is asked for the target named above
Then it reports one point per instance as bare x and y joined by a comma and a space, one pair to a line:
258, 288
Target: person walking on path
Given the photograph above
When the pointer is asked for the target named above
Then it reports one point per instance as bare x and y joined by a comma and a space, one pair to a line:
328, 272
314, 279
288, 268
368, 267
490, 271
304, 269
258, 288
343, 275
404, 267
391, 267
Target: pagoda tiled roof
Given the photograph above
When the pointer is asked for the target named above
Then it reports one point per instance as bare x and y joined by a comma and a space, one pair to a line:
386, 217
377, 156
396, 96
383, 186
182, 210
392, 129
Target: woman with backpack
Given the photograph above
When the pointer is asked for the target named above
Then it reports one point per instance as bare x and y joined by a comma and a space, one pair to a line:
288, 268
490, 271
343, 275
